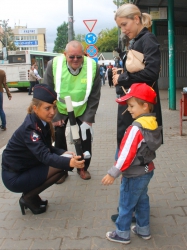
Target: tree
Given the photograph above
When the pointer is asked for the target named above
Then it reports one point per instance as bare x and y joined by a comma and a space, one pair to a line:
7, 36
62, 38
120, 2
107, 40
80, 38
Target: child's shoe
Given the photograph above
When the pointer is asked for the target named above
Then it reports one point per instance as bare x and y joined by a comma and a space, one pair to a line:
145, 237
112, 236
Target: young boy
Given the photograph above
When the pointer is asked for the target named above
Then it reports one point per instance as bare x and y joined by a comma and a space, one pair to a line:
137, 150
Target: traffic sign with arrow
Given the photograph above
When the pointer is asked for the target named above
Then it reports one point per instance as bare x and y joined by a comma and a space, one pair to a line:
90, 38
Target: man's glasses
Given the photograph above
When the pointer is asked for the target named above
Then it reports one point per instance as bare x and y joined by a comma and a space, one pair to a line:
73, 57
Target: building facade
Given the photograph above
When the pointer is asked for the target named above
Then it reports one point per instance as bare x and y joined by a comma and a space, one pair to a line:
30, 38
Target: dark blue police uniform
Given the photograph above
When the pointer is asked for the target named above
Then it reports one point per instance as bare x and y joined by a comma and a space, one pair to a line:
28, 155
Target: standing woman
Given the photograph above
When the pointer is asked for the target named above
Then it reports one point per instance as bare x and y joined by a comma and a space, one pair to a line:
134, 24
30, 164
32, 79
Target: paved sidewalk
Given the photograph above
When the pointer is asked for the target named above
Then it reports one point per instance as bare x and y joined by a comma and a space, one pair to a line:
78, 215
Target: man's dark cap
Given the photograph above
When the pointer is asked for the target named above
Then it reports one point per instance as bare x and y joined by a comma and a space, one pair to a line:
44, 93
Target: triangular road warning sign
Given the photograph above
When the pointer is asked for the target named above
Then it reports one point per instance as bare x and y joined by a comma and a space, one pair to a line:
90, 24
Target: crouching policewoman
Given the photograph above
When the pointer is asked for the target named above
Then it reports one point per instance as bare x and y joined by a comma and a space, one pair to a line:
30, 164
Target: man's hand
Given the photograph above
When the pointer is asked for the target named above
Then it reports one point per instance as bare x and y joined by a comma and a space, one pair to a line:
107, 180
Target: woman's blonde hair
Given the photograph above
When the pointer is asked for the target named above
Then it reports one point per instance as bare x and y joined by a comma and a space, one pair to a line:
38, 103
129, 10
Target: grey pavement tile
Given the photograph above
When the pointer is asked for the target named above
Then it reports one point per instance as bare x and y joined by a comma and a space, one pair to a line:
56, 223
177, 203
167, 197
75, 244
181, 196
62, 233
33, 222
163, 179
177, 190
29, 233
13, 234
3, 214
157, 229
161, 203
181, 220
7, 224
92, 232
171, 211
99, 243
84, 205
80, 223
95, 213
16, 244
75, 214
169, 220
176, 230
102, 205
102, 222
38, 244
173, 241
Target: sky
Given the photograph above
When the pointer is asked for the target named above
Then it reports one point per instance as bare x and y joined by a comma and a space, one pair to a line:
50, 14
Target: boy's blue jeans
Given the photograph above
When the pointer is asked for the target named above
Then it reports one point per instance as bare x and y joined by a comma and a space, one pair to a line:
133, 194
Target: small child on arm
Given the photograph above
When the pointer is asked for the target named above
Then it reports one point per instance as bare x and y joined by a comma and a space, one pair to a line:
135, 163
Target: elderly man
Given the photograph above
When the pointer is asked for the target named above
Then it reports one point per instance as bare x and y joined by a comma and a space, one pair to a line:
73, 74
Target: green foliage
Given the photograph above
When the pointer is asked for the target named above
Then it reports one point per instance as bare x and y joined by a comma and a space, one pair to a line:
62, 38
120, 2
107, 40
80, 37
7, 36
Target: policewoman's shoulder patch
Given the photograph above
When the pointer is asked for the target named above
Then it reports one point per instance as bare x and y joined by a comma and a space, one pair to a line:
34, 136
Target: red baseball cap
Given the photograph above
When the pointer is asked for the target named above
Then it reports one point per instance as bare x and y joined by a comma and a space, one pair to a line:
141, 91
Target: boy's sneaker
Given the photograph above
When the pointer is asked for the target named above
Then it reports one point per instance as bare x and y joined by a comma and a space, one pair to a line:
145, 237
112, 236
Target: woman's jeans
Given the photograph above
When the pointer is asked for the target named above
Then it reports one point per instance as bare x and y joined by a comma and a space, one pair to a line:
133, 194
2, 113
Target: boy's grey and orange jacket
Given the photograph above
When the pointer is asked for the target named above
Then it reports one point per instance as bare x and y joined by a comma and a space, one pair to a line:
138, 146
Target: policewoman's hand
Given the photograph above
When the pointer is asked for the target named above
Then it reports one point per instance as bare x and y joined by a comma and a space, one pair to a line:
76, 163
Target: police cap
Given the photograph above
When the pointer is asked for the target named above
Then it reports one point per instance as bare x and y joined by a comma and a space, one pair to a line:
44, 93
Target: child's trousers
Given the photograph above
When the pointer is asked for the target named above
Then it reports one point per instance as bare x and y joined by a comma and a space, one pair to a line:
133, 194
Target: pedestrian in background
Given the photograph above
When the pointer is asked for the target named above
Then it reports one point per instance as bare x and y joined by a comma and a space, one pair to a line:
3, 84
37, 74
30, 164
109, 75
73, 74
135, 163
102, 75
32, 79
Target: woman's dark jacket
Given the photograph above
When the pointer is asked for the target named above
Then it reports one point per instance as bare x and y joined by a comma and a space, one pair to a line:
146, 43
31, 146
